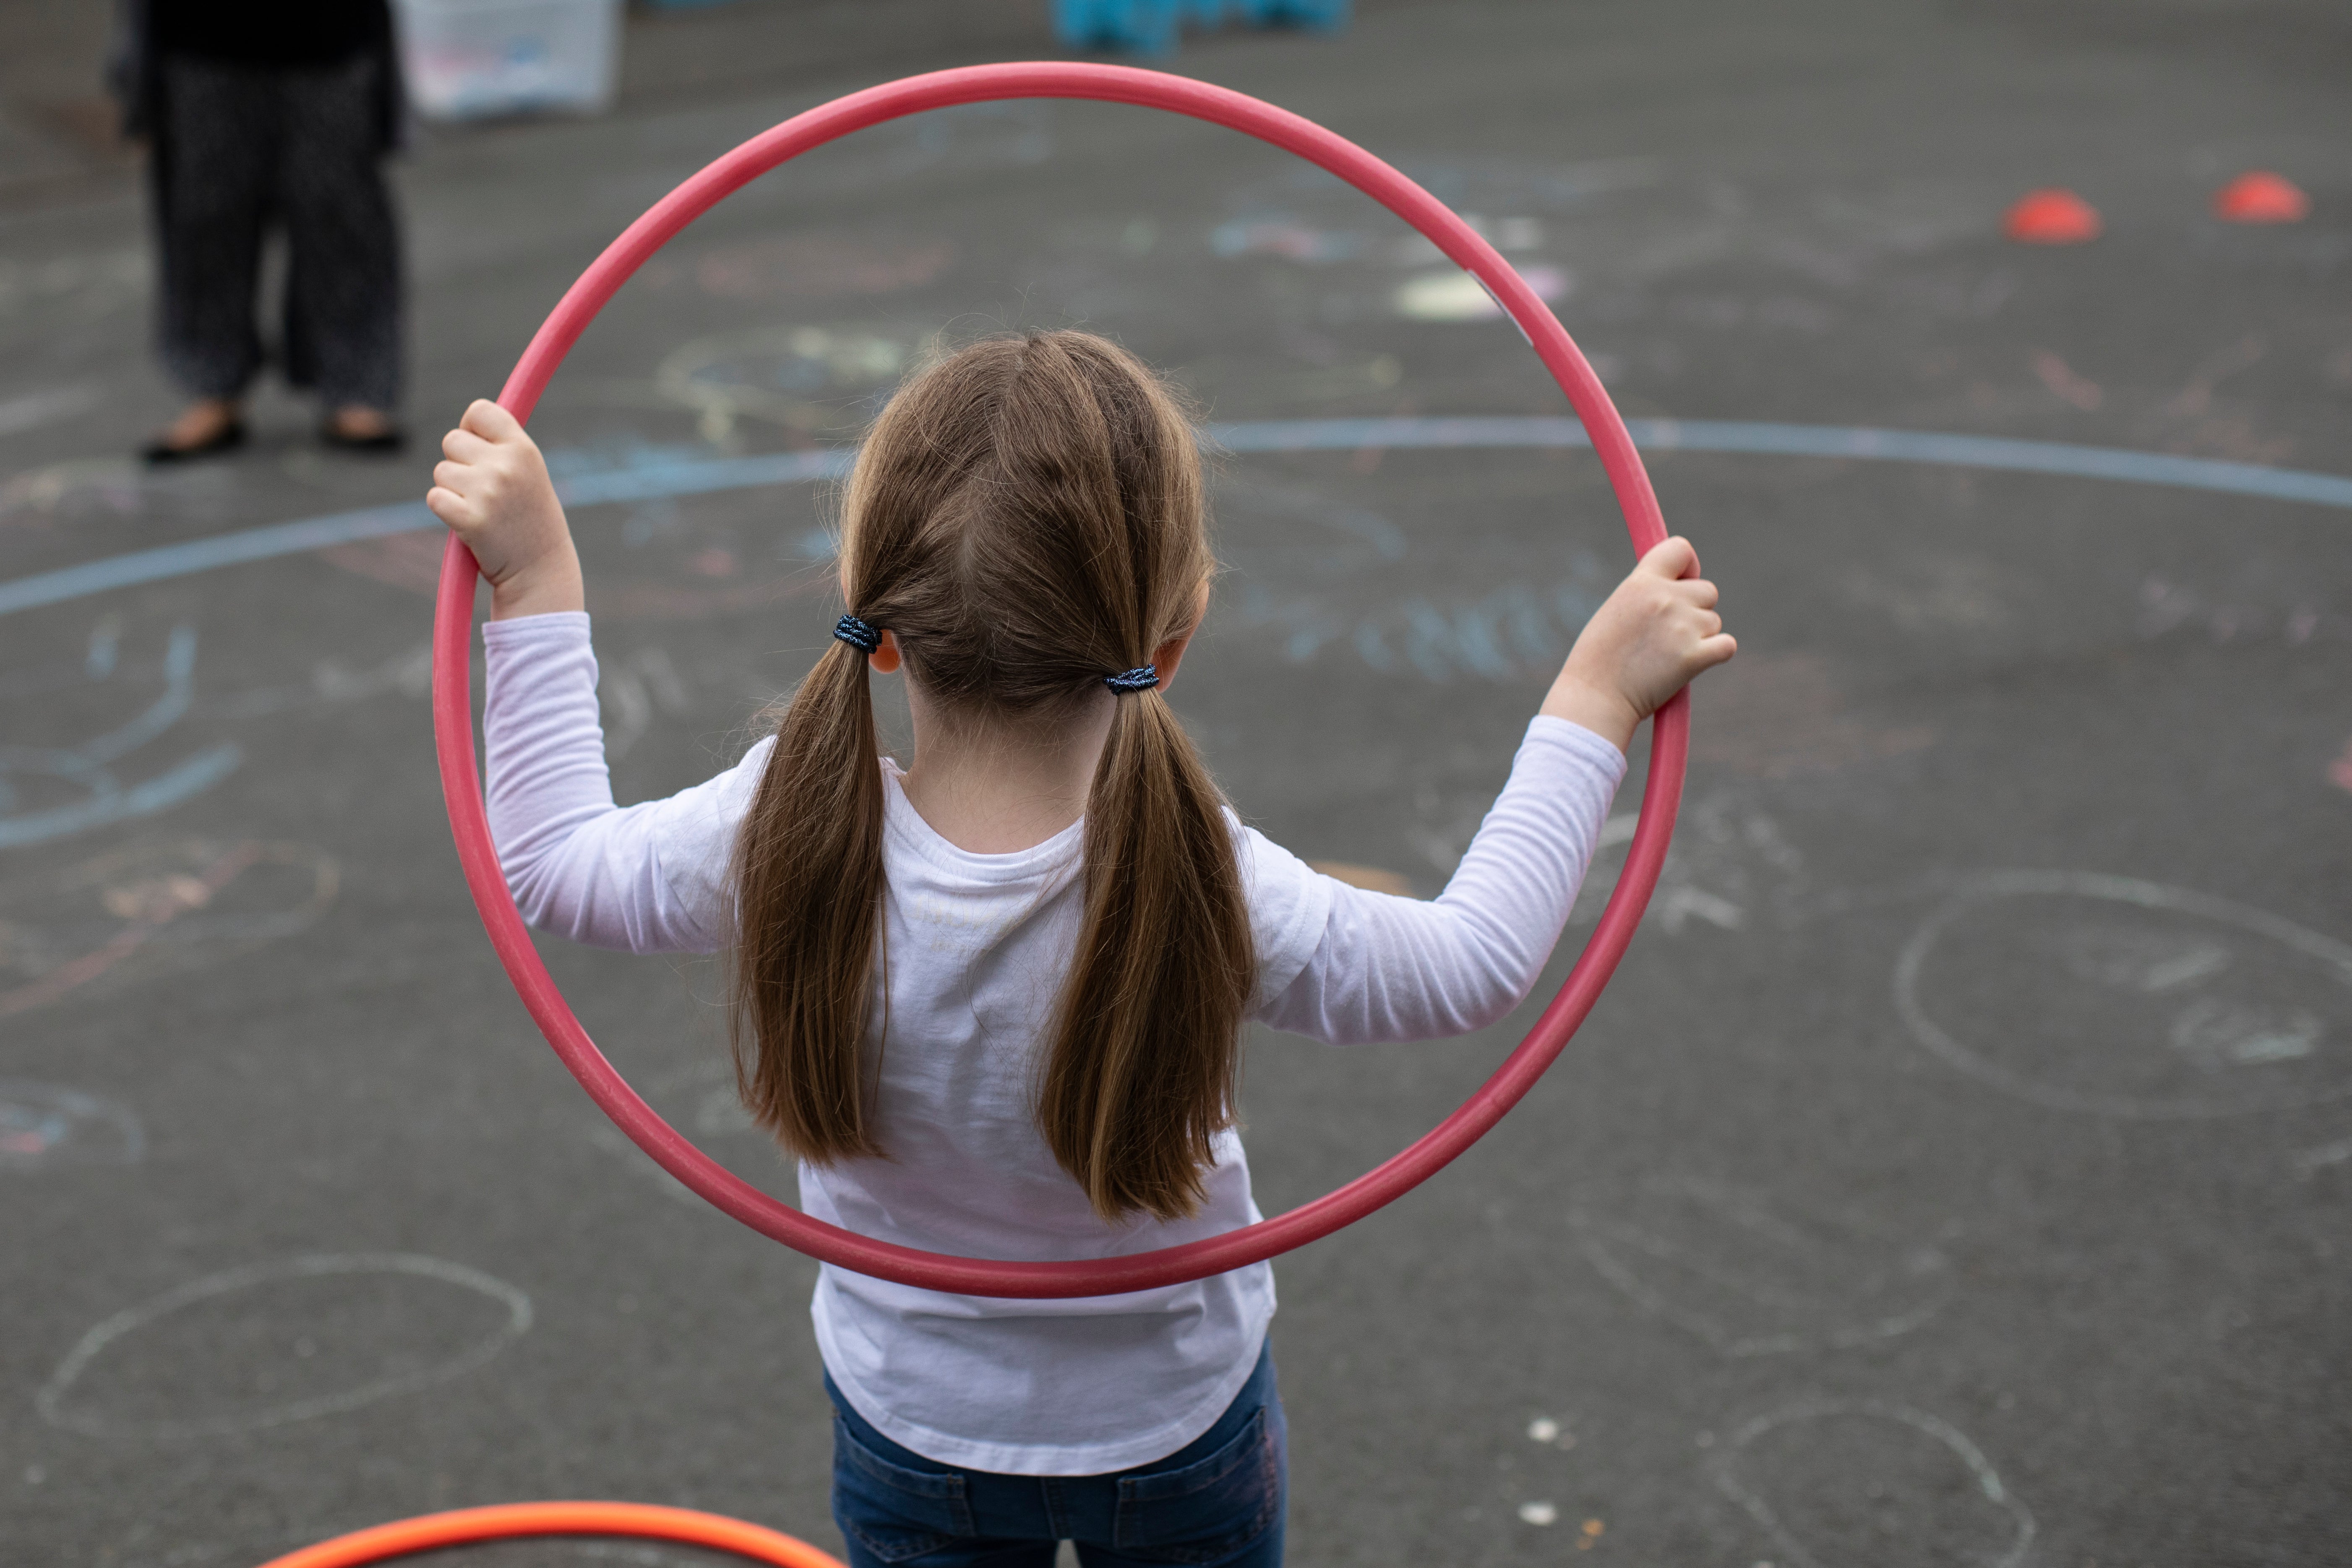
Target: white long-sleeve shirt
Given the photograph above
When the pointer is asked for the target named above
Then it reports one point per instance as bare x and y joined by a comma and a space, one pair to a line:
978, 945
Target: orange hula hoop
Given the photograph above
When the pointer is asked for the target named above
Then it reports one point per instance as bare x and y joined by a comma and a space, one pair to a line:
646, 1521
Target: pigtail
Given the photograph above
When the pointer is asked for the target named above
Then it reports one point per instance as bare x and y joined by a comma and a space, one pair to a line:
808, 881
1142, 1072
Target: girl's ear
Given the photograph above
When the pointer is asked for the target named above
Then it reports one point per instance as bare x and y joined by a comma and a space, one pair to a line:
1170, 654
885, 659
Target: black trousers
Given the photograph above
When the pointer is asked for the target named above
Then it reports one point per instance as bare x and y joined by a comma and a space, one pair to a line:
241, 149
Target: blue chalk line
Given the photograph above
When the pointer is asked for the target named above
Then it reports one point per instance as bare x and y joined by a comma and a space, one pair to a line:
655, 481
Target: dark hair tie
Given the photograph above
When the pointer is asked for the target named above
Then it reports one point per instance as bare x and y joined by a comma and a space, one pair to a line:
857, 633
1141, 679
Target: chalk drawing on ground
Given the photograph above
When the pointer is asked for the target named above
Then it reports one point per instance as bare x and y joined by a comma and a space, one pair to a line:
810, 381
1930, 594
631, 687
410, 561
45, 1126
1664, 233
2126, 998
664, 557
806, 266
332, 684
32, 778
1729, 865
276, 1343
1516, 632
2309, 1162
154, 908
1753, 1277
1309, 216
1274, 233
2247, 612
1355, 436
1330, 227
1328, 591
64, 496
1454, 295
1891, 1486
1014, 132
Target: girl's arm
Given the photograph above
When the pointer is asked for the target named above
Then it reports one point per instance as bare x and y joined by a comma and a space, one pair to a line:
1389, 968
645, 877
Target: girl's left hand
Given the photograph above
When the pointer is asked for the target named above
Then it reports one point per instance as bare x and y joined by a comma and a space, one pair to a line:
1655, 634
491, 487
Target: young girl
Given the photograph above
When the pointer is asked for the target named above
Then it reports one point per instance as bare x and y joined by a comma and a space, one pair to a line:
993, 1002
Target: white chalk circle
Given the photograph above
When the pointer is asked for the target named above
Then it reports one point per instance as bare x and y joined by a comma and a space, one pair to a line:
2118, 997
1752, 1277
43, 1126
1891, 1486
275, 1343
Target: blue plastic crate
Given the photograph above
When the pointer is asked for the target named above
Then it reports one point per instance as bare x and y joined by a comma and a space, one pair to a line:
1148, 27
1321, 16
1134, 27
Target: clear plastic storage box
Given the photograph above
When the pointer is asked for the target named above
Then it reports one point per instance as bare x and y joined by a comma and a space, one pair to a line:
467, 58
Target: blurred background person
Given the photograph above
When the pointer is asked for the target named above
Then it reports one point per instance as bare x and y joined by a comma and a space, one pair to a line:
259, 117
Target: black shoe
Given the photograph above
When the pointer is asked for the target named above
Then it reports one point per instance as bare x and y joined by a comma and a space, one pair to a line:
387, 440
227, 438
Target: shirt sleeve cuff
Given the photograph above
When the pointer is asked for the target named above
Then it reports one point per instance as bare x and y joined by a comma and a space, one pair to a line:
1576, 740
554, 627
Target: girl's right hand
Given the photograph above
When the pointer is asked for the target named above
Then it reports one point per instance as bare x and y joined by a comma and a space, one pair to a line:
1653, 634
491, 487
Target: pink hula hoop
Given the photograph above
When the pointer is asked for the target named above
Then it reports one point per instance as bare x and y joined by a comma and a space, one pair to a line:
453, 727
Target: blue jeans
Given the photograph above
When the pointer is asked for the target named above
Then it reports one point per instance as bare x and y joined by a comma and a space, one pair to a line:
1216, 1502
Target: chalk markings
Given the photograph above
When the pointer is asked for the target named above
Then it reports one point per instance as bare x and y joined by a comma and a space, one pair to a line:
2007, 1512
1728, 863
56, 1406
705, 477
84, 765
109, 804
43, 1126
2311, 1160
156, 907
632, 688
1755, 1278
2196, 1019
164, 895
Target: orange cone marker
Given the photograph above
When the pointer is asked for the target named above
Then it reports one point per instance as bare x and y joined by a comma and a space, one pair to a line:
2260, 196
2050, 217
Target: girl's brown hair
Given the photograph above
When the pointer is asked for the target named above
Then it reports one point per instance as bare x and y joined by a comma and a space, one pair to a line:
1025, 517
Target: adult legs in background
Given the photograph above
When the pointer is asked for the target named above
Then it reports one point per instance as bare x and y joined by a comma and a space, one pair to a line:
342, 280
210, 180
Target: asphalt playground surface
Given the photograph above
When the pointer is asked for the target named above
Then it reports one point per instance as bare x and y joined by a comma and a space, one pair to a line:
1955, 1175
